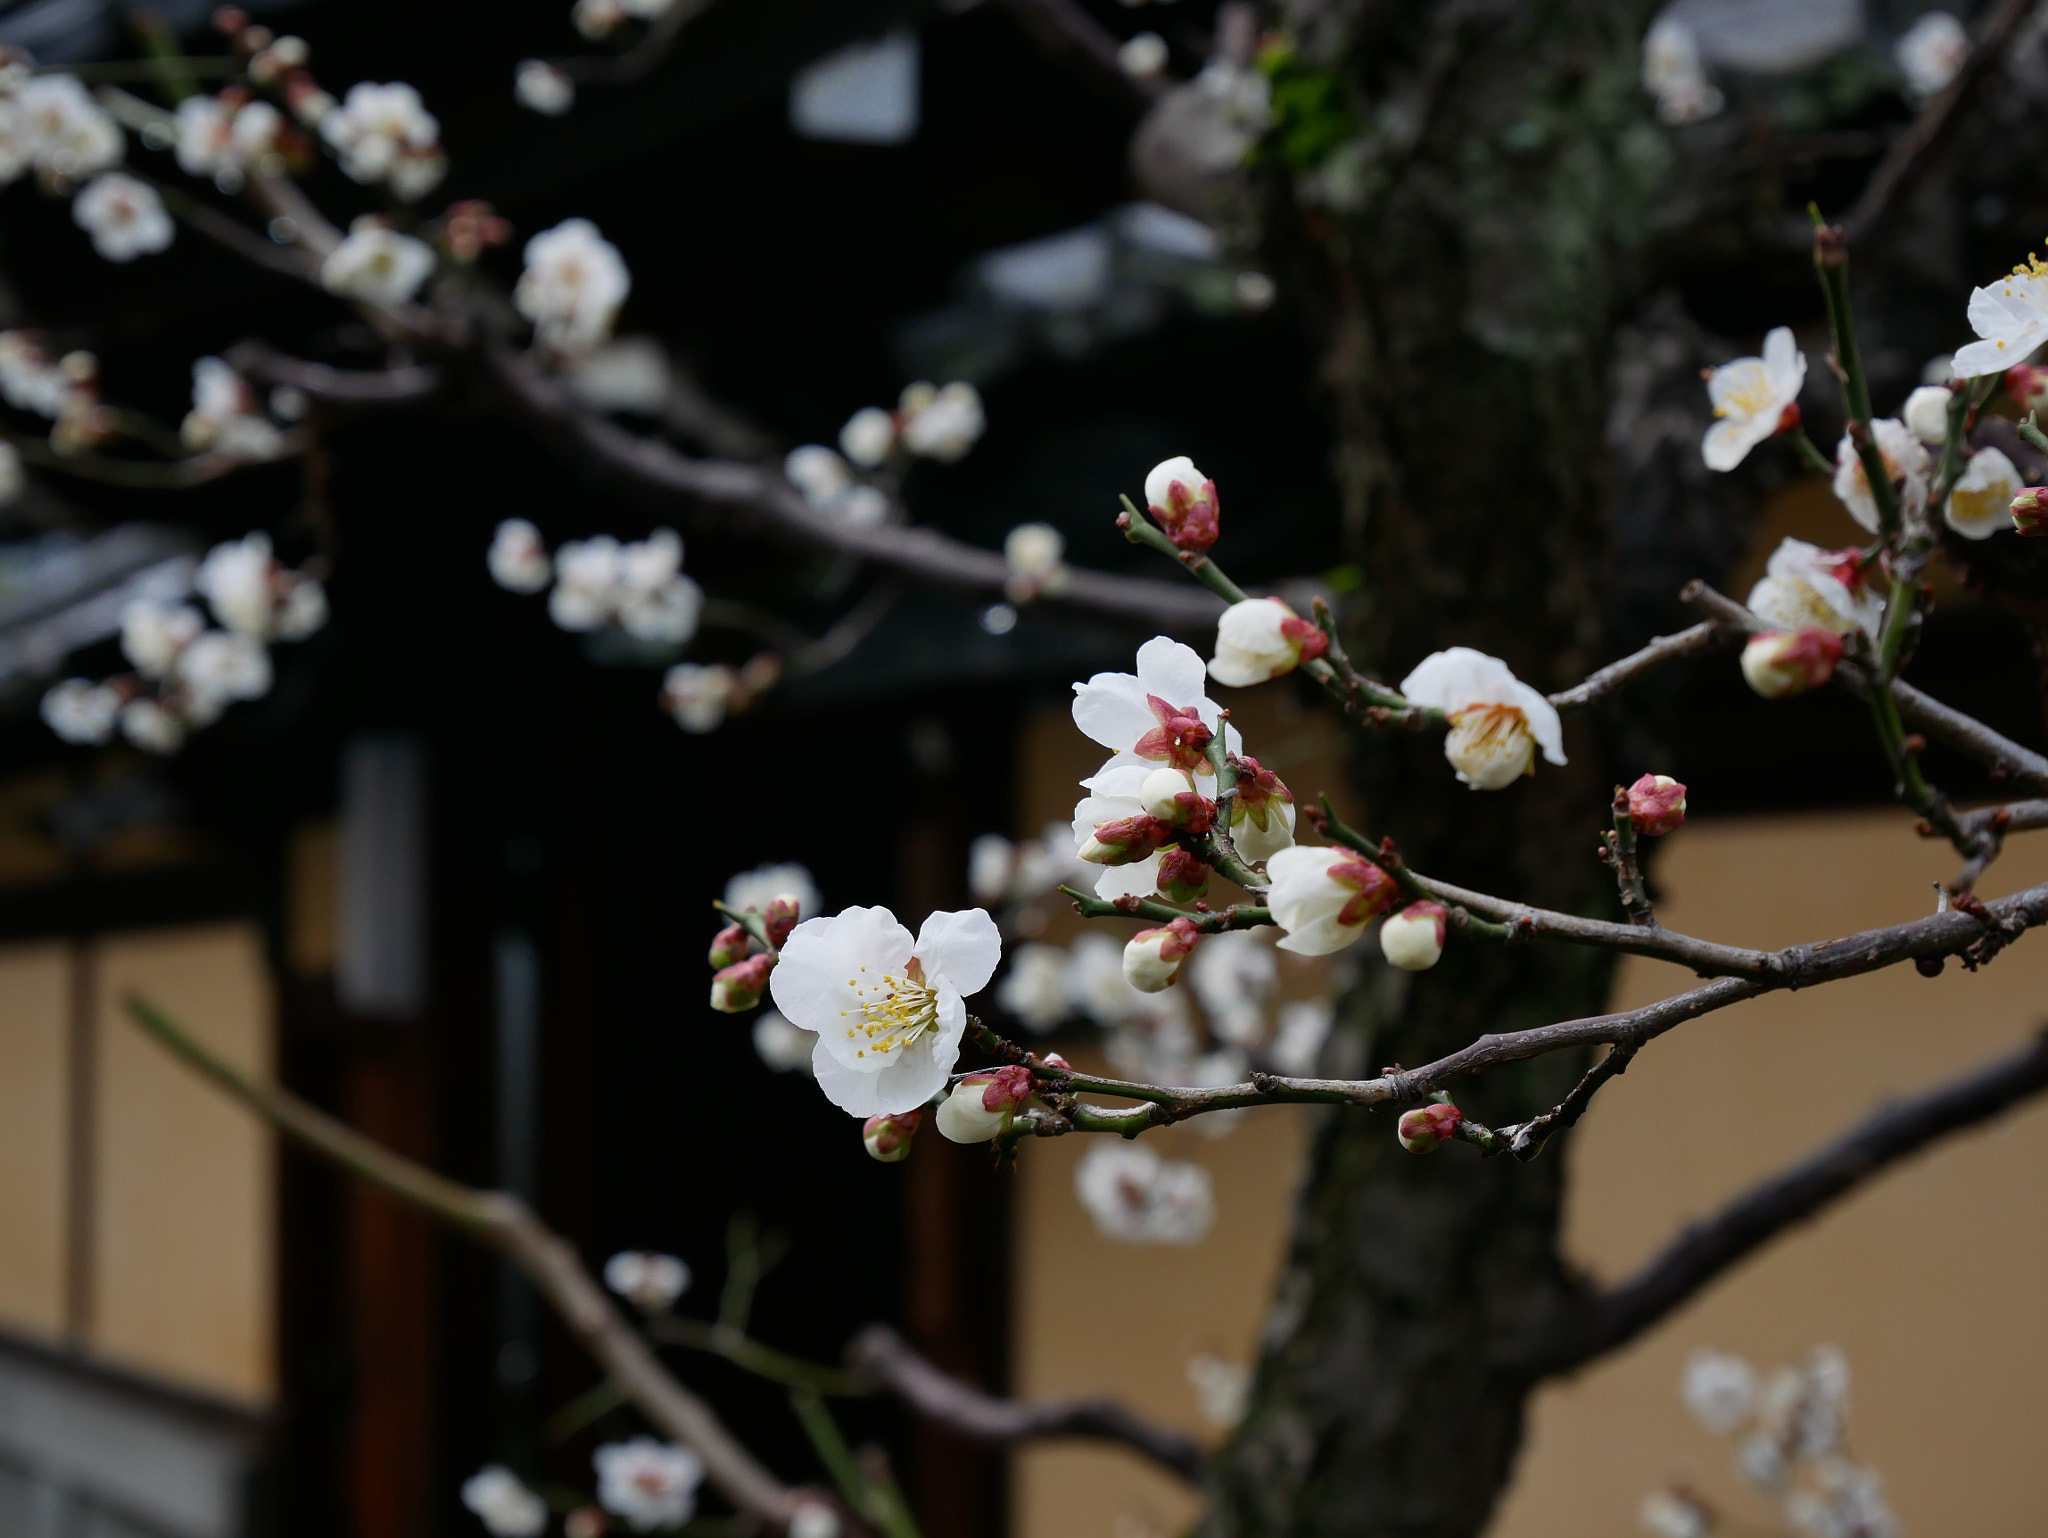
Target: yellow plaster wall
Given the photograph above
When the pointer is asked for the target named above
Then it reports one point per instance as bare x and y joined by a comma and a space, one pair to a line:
35, 1122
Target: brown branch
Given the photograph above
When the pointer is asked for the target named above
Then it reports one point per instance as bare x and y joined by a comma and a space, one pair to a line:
1976, 934
403, 384
880, 1352
200, 469
1701, 637
1915, 151
503, 1223
772, 505
1710, 1248
1526, 1141
1077, 40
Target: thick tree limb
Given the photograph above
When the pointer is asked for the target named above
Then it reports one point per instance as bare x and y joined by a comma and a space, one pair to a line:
772, 505
1712, 1247
503, 1223
400, 385
880, 1352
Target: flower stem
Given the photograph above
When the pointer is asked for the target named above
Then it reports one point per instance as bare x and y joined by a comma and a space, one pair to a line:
1831, 262
1810, 452
1236, 916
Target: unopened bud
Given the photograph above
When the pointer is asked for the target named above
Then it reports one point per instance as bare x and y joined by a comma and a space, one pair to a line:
1656, 804
1153, 958
1428, 1125
739, 987
779, 918
1183, 503
1781, 662
2027, 383
727, 946
1124, 841
1262, 813
1926, 413
1170, 795
1413, 939
1182, 876
982, 1104
887, 1138
2030, 511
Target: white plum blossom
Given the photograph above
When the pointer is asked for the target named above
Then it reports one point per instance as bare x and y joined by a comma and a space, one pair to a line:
1222, 1389
649, 1484
1034, 991
572, 286
376, 264
124, 217
151, 726
517, 559
782, 1046
1113, 798
540, 87
2010, 317
1261, 639
1159, 715
587, 578
1926, 413
869, 437
758, 887
651, 1282
1930, 52
1304, 1025
1752, 398
1805, 587
153, 633
1906, 463
698, 694
29, 379
219, 668
1325, 898
1497, 721
1137, 1197
78, 710
1719, 1390
1034, 552
1981, 503
990, 860
254, 595
821, 475
224, 416
639, 587
506, 1507
384, 133
888, 1010
942, 424
1143, 56
1664, 1514
65, 134
1674, 74
218, 138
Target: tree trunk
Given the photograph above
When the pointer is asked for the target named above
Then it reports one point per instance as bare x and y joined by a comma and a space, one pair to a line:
1475, 262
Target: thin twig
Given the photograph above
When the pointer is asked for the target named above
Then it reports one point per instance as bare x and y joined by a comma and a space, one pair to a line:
400, 384
1666, 648
883, 1354
1710, 1248
503, 1223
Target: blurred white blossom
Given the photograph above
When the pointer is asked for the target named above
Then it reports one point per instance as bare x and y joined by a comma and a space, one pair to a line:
760, 886
124, 217
651, 1282
648, 1484
1137, 1197
224, 416
1719, 1390
1143, 56
1222, 1389
784, 1047
1034, 990
698, 695
541, 87
384, 133
1674, 74
942, 423
517, 559
506, 1507
376, 264
1930, 52
572, 286
78, 710
1298, 1042
63, 133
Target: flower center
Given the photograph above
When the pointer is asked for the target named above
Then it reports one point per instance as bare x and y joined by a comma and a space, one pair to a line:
1180, 739
893, 1010
1491, 734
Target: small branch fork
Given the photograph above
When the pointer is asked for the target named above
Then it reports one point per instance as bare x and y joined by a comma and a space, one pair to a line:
1708, 1249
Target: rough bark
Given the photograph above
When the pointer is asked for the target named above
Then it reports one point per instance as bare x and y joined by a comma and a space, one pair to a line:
1475, 273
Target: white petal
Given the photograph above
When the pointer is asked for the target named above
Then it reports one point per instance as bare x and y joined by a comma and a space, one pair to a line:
1543, 721
1729, 441
1784, 364
1110, 708
1325, 937
1172, 671
853, 1091
1457, 677
1140, 878
963, 947
809, 984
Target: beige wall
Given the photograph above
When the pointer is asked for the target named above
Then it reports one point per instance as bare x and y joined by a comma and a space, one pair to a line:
173, 1273
1931, 1279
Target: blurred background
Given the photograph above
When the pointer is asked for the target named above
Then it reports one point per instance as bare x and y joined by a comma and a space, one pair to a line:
451, 878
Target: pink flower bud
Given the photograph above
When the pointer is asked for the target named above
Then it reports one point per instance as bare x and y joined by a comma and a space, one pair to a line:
1413, 939
1262, 814
1153, 957
1428, 1125
1125, 841
2030, 511
1261, 639
739, 987
779, 918
1779, 663
887, 1138
1182, 876
982, 1104
2027, 384
1170, 795
728, 945
1183, 503
1656, 804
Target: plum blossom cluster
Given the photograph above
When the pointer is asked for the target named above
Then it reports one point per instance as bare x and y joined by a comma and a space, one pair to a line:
1791, 1446
637, 587
64, 390
938, 422
51, 125
187, 672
